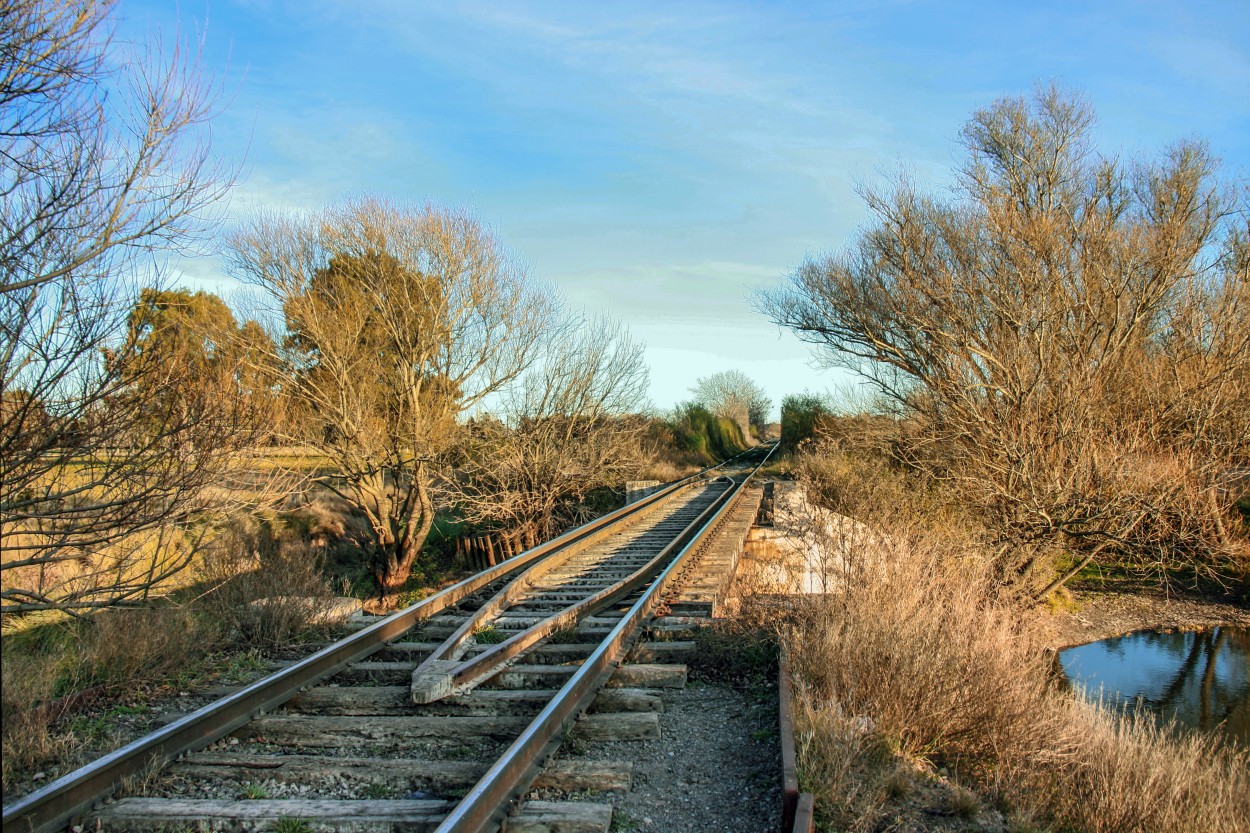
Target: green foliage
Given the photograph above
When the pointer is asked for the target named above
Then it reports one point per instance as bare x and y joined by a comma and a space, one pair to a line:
254, 792
736, 655
182, 323
291, 824
195, 333
447, 526
734, 395
622, 821
377, 791
94, 731
489, 635
703, 438
801, 415
398, 321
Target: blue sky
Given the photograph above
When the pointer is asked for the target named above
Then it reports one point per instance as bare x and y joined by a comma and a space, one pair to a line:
661, 161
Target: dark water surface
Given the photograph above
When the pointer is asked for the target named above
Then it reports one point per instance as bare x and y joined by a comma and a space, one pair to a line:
1200, 678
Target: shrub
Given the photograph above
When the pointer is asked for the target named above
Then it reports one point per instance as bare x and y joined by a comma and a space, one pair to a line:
27, 739
264, 589
109, 656
701, 438
801, 416
1067, 335
915, 656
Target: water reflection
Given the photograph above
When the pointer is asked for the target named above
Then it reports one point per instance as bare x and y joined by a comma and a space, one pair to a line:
1200, 678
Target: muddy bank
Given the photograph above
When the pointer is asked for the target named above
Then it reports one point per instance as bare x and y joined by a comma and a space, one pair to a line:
1095, 615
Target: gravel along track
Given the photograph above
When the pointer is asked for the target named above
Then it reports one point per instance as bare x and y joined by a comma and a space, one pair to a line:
715, 769
355, 752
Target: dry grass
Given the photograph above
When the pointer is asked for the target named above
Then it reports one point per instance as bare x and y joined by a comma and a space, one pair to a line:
136, 566
912, 661
265, 589
1129, 775
132, 655
110, 658
666, 471
27, 741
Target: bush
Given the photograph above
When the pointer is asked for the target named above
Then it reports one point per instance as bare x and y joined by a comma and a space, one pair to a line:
265, 590
1066, 334
110, 656
55, 668
1128, 774
915, 660
700, 438
27, 739
801, 417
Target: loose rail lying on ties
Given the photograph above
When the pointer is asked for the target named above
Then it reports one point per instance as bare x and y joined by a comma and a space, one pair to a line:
604, 578
579, 581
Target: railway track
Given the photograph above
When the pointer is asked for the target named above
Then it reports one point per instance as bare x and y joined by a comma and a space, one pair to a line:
436, 718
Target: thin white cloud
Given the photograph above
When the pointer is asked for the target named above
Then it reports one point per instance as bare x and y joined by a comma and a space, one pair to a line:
1209, 60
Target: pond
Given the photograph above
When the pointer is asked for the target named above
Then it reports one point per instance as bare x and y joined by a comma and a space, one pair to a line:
1200, 678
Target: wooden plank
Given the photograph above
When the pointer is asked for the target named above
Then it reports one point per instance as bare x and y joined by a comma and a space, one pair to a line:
636, 675
586, 776
621, 726
152, 815
550, 653
804, 814
404, 651
627, 700
662, 651
376, 672
707, 585
561, 817
644, 675
789, 760
532, 676
398, 774
397, 700
316, 731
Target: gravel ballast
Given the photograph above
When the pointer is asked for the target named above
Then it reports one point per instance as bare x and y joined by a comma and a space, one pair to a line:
716, 767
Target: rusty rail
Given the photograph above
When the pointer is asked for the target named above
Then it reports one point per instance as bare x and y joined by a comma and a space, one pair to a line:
797, 808
490, 800
52, 806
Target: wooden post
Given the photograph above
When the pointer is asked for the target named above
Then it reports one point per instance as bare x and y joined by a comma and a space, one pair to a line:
789, 760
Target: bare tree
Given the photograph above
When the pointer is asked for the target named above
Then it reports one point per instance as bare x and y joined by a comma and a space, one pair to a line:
397, 321
104, 166
734, 395
566, 430
104, 156
1068, 340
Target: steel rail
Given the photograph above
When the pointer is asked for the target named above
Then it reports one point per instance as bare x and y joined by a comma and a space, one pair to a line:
437, 677
486, 805
54, 805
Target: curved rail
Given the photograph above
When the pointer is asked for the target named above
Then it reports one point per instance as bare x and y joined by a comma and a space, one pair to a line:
52, 806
